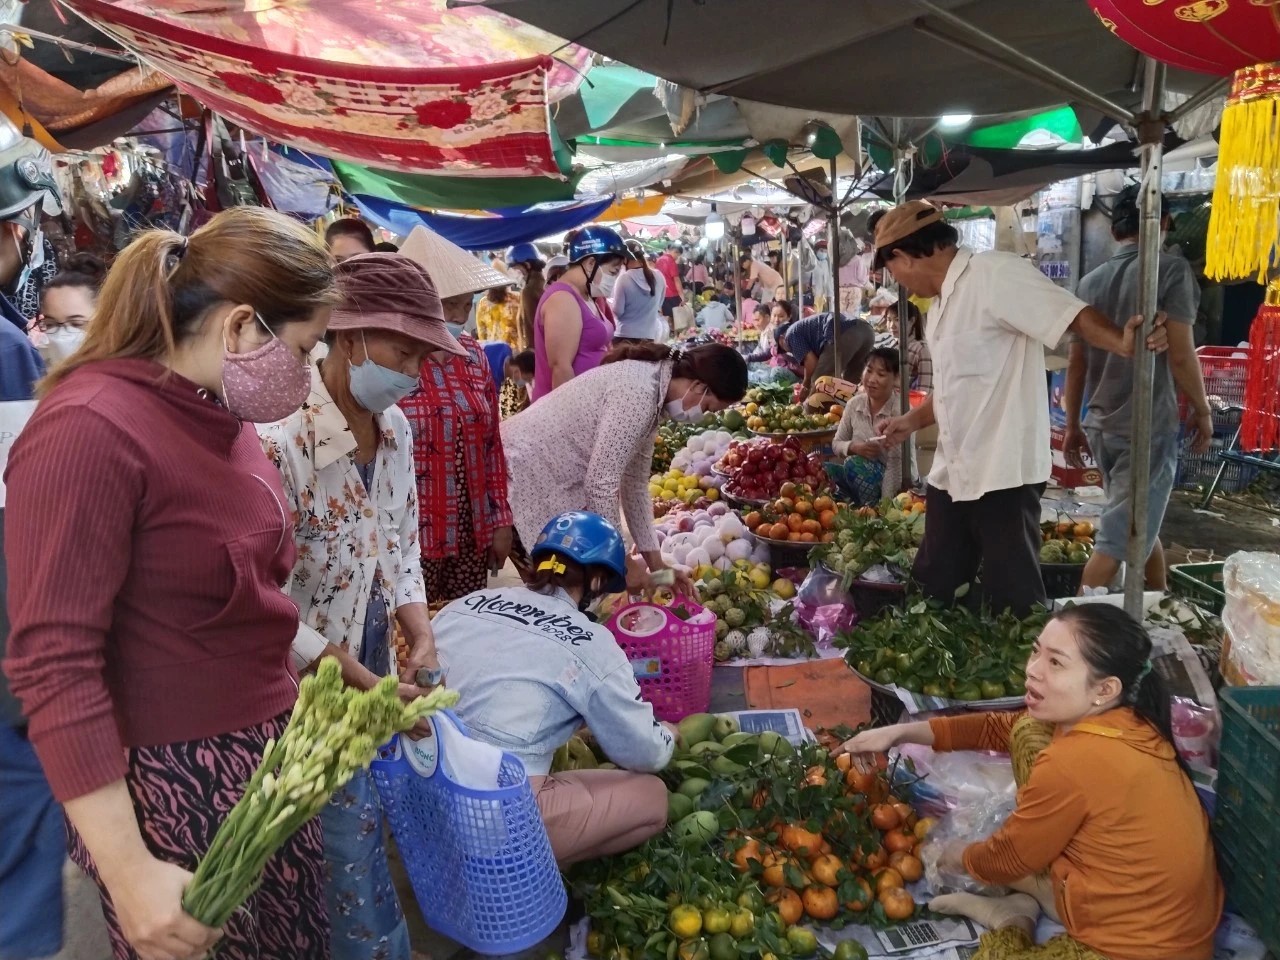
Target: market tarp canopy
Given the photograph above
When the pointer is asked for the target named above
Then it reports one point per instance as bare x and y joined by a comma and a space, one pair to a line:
72, 97
856, 57
485, 233
401, 84
453, 193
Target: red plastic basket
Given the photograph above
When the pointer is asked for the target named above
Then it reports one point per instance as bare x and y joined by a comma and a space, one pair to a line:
1225, 371
672, 657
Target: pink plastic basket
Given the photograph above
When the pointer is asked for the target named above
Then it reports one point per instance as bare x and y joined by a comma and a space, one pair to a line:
671, 656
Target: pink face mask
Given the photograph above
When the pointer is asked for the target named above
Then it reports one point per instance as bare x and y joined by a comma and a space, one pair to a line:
264, 385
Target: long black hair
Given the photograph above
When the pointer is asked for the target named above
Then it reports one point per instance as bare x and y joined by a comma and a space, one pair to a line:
1114, 644
635, 254
721, 368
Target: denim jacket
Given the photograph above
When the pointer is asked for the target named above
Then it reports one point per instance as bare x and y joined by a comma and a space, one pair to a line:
531, 670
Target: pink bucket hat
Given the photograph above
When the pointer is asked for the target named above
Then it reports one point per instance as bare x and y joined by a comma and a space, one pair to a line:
389, 291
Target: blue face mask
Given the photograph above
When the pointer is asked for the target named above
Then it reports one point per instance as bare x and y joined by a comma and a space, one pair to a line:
376, 387
455, 328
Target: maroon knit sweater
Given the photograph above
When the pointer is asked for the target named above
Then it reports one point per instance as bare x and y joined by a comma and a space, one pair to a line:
147, 546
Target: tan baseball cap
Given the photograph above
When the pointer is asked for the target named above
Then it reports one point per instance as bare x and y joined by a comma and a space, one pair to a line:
904, 220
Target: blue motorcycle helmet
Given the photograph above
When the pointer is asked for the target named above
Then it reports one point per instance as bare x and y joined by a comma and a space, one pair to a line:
525, 253
587, 539
595, 241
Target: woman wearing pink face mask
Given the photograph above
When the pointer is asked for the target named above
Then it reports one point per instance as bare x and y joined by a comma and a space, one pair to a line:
153, 673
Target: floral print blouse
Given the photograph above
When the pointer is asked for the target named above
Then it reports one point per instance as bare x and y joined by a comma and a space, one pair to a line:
500, 321
346, 535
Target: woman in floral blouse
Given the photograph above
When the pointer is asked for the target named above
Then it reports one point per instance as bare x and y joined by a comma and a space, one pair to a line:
465, 522
346, 463
498, 318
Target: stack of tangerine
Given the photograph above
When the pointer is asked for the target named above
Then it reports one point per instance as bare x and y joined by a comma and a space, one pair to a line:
795, 517
804, 874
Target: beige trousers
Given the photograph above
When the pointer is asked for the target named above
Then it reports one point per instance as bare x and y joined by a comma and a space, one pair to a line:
594, 813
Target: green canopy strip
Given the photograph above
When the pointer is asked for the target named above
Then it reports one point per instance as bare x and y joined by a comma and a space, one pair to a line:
453, 193
607, 89
1061, 123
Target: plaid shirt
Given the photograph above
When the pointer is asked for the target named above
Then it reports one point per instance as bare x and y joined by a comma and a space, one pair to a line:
455, 400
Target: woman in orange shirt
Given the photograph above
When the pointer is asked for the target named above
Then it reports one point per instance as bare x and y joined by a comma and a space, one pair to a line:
1108, 836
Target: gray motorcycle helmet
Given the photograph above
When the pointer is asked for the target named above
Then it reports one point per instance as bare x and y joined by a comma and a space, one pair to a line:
27, 184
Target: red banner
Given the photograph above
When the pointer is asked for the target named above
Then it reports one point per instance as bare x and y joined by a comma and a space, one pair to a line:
279, 73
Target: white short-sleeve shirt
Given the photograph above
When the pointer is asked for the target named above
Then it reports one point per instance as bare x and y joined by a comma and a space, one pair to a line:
987, 331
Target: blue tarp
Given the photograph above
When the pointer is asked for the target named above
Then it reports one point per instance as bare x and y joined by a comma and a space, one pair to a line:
521, 225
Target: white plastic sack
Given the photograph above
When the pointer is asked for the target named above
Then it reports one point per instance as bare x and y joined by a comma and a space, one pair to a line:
682, 317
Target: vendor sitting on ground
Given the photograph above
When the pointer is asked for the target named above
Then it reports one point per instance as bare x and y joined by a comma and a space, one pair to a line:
532, 668
871, 470
1108, 836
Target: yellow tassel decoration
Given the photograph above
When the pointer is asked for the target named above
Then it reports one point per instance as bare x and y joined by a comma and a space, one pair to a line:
1244, 224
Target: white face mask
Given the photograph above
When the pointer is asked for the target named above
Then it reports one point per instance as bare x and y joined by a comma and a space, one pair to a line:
60, 343
676, 410
603, 284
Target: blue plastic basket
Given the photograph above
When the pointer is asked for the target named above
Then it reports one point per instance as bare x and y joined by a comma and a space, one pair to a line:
479, 860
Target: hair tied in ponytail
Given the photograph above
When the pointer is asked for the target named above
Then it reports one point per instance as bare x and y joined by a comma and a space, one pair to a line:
1138, 681
674, 353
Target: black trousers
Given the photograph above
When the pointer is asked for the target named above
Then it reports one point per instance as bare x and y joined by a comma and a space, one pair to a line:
999, 533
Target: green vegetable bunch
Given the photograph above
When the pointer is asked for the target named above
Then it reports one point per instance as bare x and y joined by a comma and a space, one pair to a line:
333, 732
944, 651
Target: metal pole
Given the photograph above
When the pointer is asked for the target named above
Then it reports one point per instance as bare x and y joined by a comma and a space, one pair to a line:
1151, 136
833, 243
786, 267
1013, 60
737, 288
801, 247
904, 305
1199, 98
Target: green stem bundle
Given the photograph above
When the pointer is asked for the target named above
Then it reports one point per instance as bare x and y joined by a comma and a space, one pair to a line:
333, 732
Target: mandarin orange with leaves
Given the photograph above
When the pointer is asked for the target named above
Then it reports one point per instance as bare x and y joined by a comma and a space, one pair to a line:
788, 904
820, 902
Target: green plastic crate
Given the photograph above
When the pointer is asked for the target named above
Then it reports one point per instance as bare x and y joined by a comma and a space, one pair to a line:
1200, 583
1247, 818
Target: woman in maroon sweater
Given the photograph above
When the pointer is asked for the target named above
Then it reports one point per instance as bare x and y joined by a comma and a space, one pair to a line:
150, 635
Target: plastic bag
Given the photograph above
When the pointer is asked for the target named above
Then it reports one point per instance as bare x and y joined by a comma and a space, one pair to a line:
823, 606
1251, 657
971, 793
1195, 732
821, 587
826, 621
948, 781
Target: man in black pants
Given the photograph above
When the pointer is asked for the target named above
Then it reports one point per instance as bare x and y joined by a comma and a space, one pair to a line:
993, 315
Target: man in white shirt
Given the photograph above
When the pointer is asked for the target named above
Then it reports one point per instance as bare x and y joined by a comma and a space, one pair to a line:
992, 318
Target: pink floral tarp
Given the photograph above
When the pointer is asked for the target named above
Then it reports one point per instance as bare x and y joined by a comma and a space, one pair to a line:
402, 85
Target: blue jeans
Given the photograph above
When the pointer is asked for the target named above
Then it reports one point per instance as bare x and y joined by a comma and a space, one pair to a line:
33, 848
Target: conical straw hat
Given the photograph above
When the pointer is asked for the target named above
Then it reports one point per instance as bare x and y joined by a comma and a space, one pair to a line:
453, 269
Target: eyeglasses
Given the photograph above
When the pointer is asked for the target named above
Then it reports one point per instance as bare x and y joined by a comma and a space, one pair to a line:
45, 324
